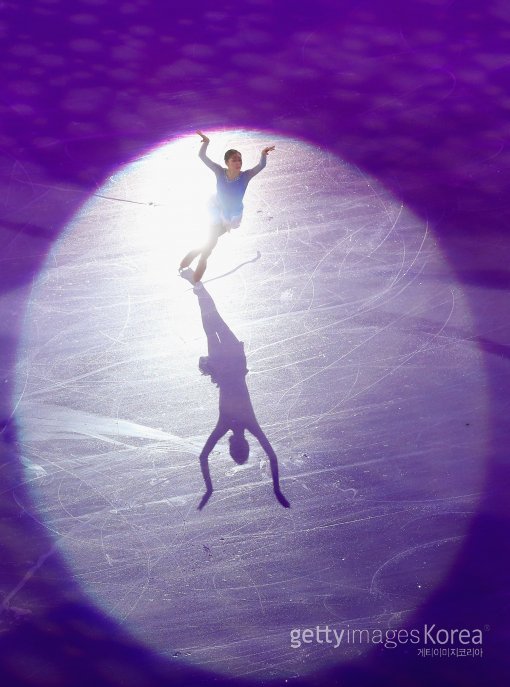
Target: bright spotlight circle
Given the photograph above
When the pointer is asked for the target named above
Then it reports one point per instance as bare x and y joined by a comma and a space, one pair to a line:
360, 374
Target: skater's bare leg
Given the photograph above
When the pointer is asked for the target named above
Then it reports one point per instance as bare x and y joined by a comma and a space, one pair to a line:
202, 263
206, 252
201, 268
188, 258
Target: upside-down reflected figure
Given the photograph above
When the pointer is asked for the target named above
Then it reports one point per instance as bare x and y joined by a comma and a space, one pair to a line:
226, 365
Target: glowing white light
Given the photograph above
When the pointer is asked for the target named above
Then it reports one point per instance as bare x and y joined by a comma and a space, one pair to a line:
174, 188
162, 202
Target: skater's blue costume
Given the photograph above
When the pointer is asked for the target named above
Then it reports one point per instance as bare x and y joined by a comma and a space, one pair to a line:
227, 207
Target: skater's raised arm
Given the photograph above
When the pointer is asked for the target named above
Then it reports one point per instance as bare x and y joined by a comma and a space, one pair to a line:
273, 462
219, 431
263, 158
202, 154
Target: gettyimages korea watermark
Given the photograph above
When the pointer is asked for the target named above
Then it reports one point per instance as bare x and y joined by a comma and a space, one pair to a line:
430, 640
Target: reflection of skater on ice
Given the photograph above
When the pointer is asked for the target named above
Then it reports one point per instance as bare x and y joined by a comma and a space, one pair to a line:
227, 207
226, 365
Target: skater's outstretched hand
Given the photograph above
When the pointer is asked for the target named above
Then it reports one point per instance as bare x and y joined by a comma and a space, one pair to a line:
281, 498
205, 139
273, 462
205, 498
219, 431
268, 150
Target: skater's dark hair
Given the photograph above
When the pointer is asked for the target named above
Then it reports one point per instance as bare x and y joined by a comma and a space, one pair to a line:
229, 153
239, 448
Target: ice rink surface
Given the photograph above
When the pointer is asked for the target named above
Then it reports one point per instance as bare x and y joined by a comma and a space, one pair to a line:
368, 284
361, 359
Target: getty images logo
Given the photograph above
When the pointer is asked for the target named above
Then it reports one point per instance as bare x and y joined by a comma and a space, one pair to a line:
429, 635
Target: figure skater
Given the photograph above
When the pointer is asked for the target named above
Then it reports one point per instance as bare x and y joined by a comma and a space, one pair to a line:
226, 365
227, 206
